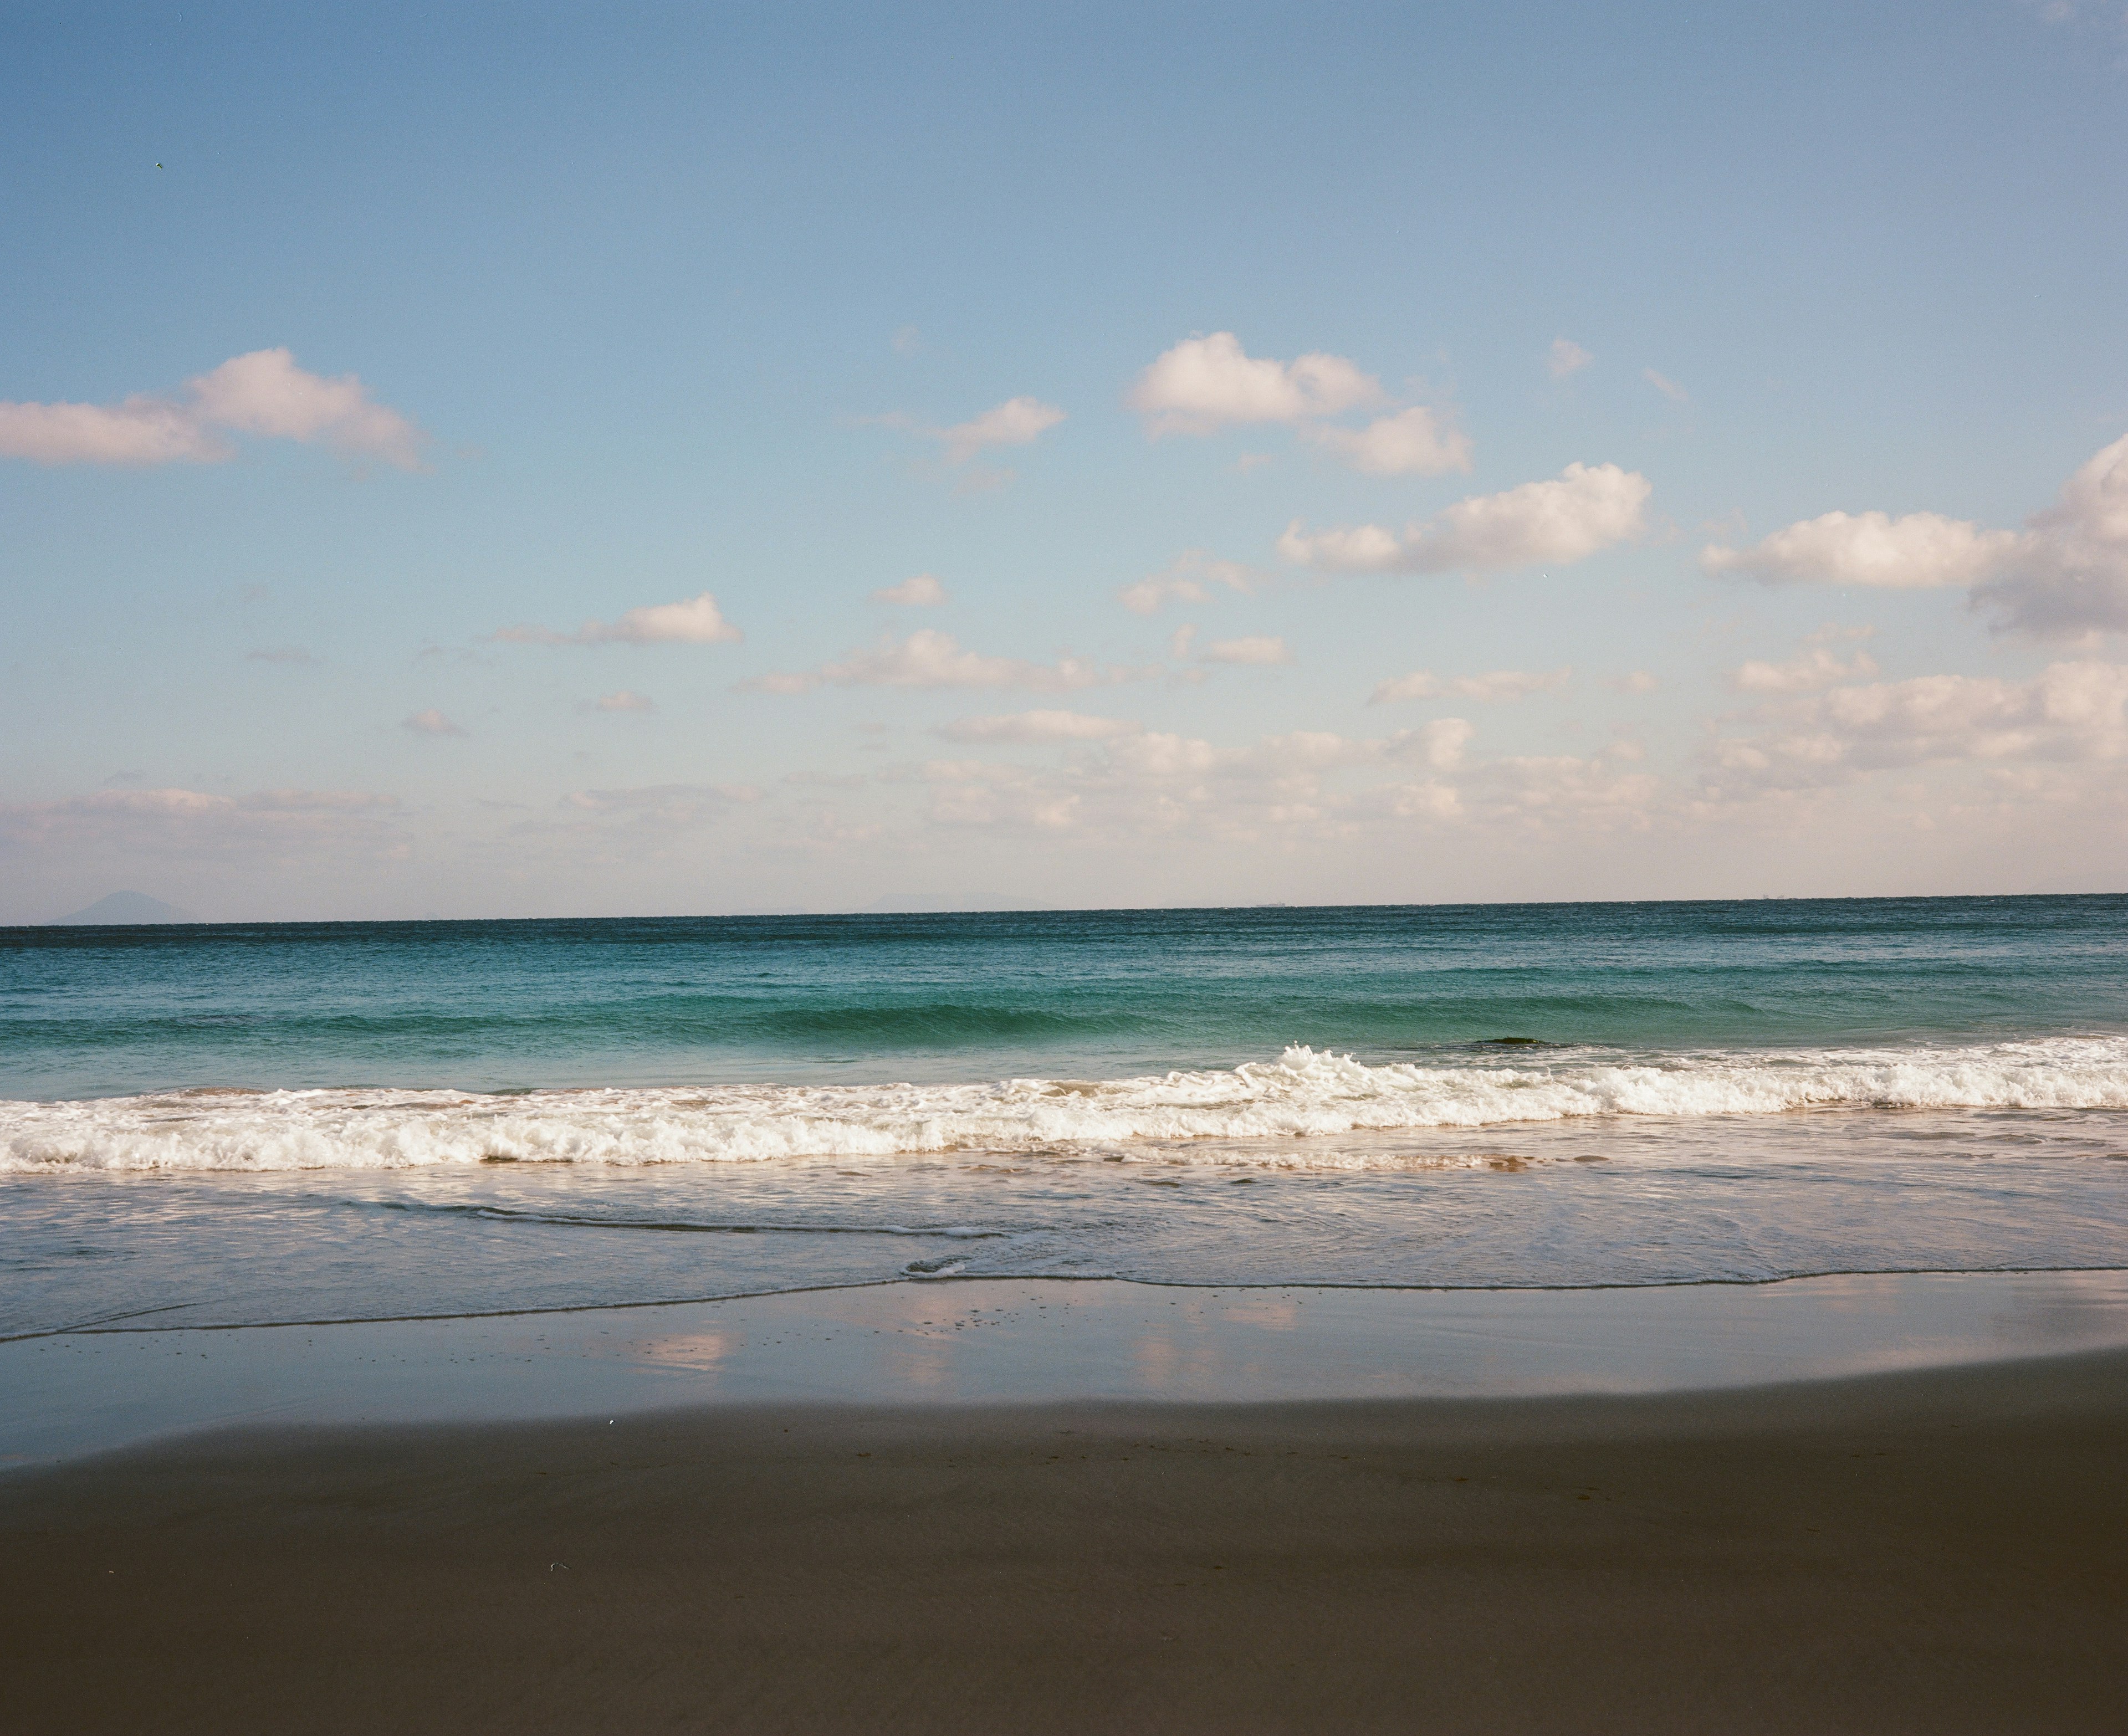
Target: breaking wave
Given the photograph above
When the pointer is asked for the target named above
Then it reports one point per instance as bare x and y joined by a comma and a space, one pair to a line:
1303, 1094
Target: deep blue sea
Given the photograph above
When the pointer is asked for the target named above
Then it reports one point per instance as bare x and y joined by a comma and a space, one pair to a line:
226, 1123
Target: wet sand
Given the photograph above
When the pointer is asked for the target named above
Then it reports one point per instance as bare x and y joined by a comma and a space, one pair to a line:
1934, 1551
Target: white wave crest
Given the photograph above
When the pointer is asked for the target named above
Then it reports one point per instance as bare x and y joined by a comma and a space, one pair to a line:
1304, 1093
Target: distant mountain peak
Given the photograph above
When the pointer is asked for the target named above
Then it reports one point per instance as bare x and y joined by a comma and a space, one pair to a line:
127, 907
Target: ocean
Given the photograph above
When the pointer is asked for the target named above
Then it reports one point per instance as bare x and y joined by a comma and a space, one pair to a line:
222, 1125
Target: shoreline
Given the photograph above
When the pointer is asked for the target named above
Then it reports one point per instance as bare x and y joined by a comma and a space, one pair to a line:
1925, 1550
998, 1341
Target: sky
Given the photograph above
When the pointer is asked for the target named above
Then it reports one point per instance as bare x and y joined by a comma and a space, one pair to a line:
547, 460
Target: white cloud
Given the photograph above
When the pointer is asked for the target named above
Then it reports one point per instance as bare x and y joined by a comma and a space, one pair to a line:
1189, 578
1566, 357
923, 591
2064, 576
2070, 577
1414, 442
1204, 384
431, 722
1585, 508
929, 658
2068, 712
624, 700
263, 393
1669, 388
1491, 688
1037, 726
1150, 782
1016, 422
1639, 681
1917, 550
1814, 668
696, 621
1259, 649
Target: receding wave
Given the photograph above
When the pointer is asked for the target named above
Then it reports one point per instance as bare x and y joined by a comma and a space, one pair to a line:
1304, 1095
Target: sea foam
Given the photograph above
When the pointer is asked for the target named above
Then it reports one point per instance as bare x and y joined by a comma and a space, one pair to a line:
1305, 1094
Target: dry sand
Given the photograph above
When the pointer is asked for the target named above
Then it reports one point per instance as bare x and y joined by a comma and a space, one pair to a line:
1925, 1552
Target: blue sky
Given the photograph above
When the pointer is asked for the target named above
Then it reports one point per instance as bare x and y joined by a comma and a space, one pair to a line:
645, 303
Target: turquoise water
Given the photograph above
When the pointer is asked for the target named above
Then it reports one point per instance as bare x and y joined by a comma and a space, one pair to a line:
493, 1006
232, 1124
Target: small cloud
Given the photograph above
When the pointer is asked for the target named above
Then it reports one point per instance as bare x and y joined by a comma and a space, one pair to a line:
1249, 461
1669, 388
667, 803
624, 700
1566, 357
279, 654
1016, 422
1639, 681
929, 658
1413, 443
1260, 649
1178, 641
262, 393
907, 341
1492, 688
1188, 578
431, 722
1585, 508
1817, 668
697, 621
1204, 384
1916, 551
923, 591
1037, 726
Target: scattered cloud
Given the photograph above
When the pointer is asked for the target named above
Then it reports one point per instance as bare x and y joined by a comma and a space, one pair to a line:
906, 341
1037, 726
262, 393
1414, 442
1188, 578
929, 658
1566, 357
624, 700
431, 722
923, 591
697, 621
1205, 385
1153, 782
1016, 422
1814, 668
1583, 509
1639, 681
2068, 712
279, 654
1872, 548
663, 803
1259, 649
1669, 388
1490, 689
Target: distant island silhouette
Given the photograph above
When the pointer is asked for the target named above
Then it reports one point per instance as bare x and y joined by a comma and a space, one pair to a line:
127, 906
